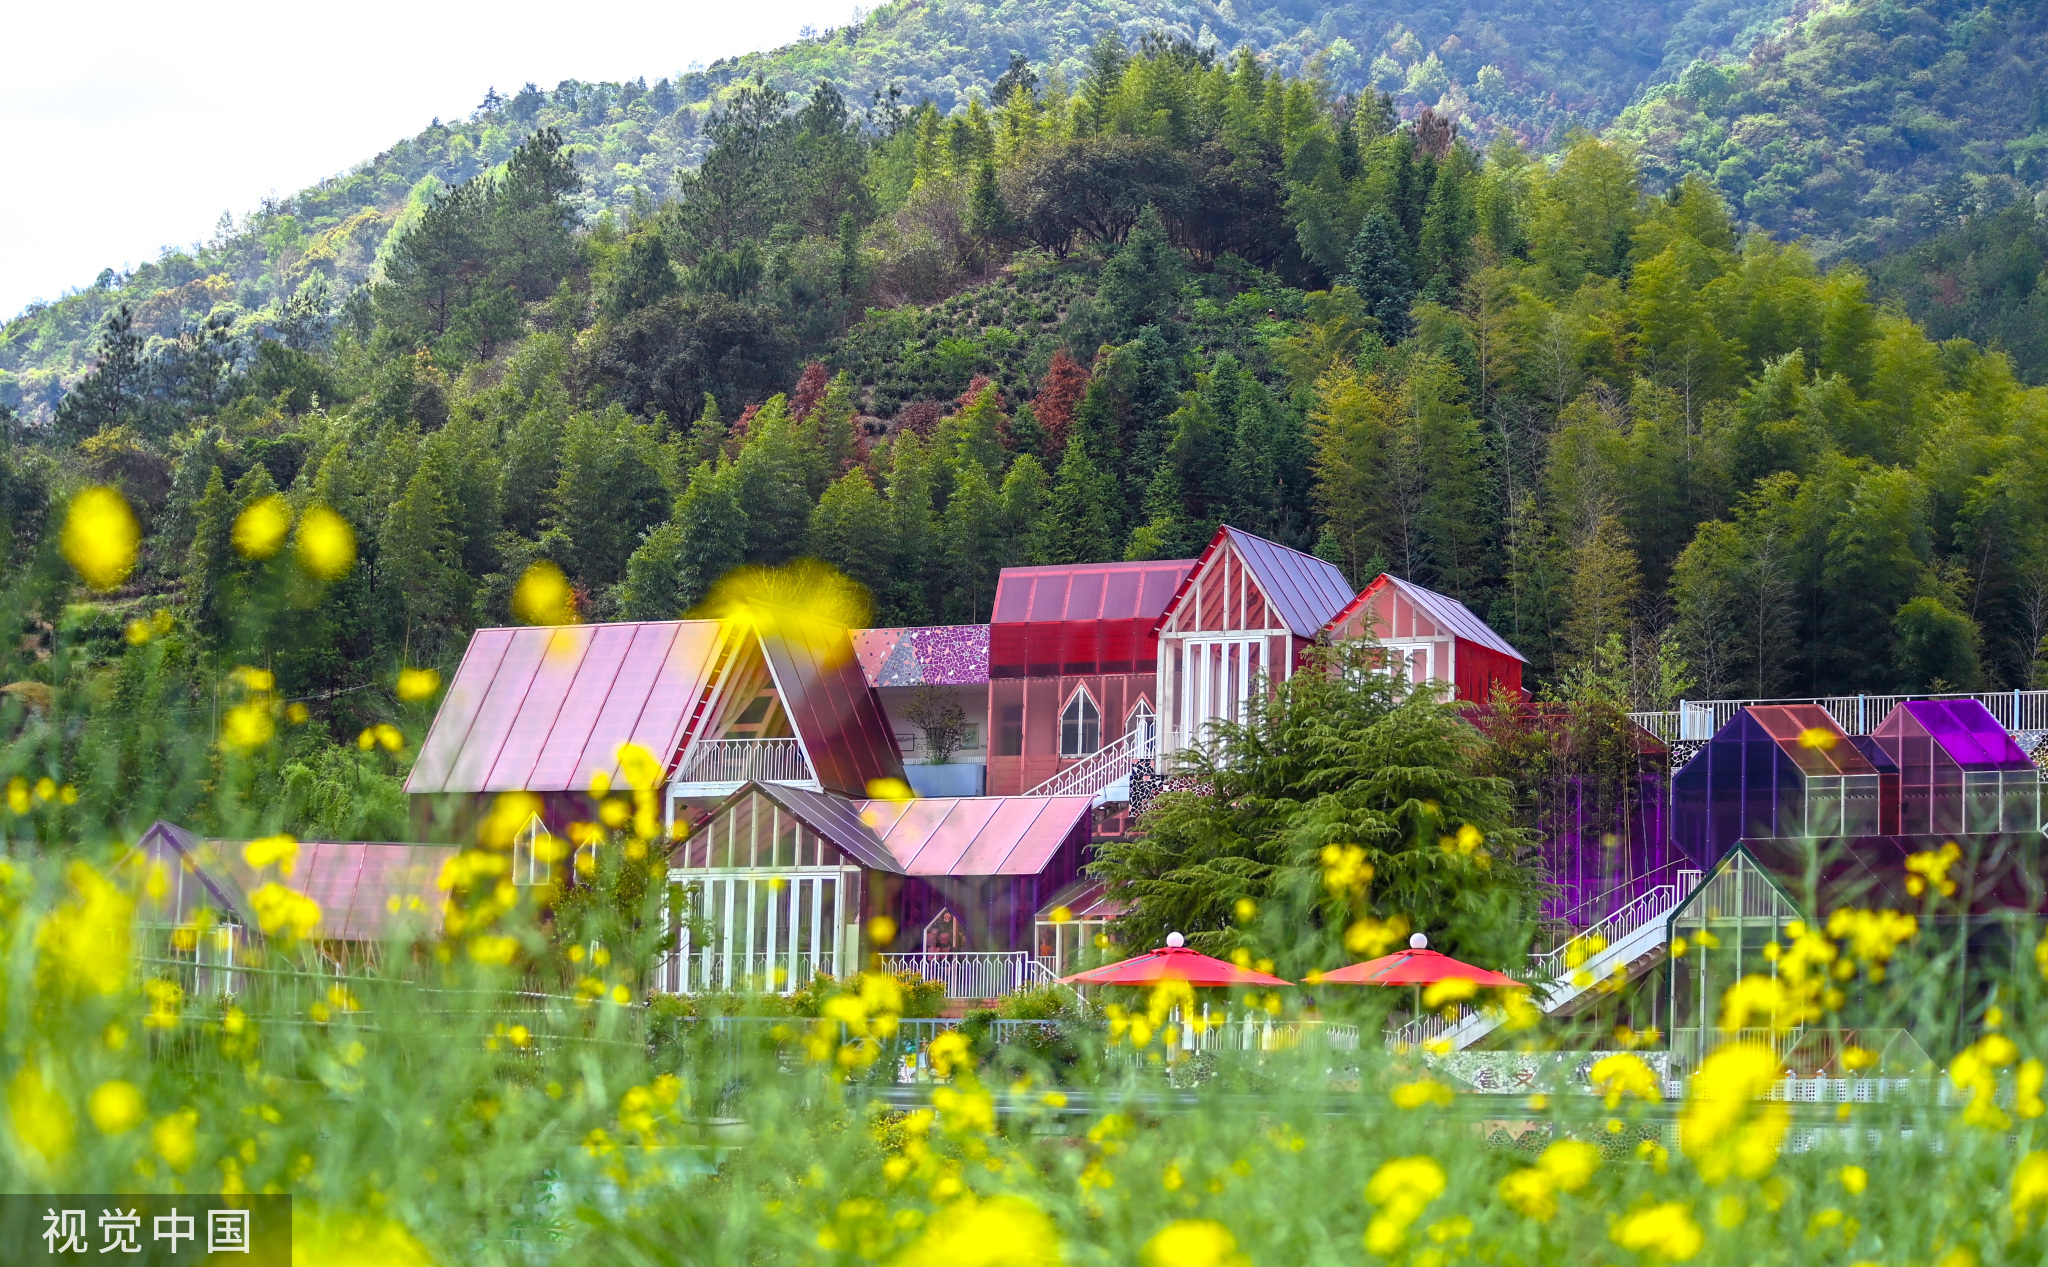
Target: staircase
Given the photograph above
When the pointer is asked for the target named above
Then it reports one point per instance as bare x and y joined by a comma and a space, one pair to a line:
1562, 981
1104, 774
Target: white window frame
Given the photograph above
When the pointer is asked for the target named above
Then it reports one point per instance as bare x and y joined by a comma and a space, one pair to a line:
1080, 694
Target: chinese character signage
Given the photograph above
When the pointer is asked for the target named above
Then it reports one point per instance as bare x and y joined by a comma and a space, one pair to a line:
149, 1231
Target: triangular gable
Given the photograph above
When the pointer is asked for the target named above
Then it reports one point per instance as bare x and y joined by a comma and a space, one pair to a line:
541, 709
1453, 616
1303, 591
832, 709
836, 818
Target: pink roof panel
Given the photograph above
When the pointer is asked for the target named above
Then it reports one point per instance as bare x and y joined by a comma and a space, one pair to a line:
1088, 591
540, 709
1446, 611
977, 835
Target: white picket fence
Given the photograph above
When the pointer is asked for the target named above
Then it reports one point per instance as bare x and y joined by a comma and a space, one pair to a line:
1856, 714
976, 974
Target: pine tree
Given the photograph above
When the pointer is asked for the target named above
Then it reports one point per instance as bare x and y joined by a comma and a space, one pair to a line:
210, 557
714, 528
1083, 524
851, 530
611, 490
773, 475
1353, 421
1378, 270
911, 481
655, 576
976, 545
419, 567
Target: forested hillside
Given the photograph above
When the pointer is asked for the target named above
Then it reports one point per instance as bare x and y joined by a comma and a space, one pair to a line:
1534, 68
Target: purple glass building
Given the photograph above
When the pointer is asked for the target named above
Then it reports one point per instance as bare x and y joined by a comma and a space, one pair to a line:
1959, 771
1775, 771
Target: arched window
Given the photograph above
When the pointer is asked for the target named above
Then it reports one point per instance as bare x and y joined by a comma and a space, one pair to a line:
1144, 727
1080, 726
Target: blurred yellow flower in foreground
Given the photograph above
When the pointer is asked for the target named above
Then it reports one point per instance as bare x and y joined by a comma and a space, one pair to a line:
1665, 1231
86, 941
1402, 1189
999, 1232
417, 684
41, 1119
327, 544
543, 596
1193, 1243
261, 527
320, 1239
280, 851
1623, 1075
176, 1138
101, 536
248, 725
1722, 1127
2029, 1187
115, 1107
279, 909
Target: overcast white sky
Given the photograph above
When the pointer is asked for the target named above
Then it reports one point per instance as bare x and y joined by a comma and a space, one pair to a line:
109, 112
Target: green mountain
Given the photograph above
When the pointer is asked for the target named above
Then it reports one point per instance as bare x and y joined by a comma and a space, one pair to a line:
1866, 125
1535, 69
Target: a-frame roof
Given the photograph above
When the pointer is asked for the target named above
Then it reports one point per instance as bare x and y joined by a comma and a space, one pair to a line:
1442, 608
1306, 591
539, 709
935, 835
366, 890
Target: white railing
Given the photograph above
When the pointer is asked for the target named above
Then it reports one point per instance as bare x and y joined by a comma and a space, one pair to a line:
1562, 975
1100, 769
741, 760
1856, 714
976, 974
1652, 906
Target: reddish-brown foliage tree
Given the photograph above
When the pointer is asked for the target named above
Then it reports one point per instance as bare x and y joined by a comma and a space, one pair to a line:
1065, 383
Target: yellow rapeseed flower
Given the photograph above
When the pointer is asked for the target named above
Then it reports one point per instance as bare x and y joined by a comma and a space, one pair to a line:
543, 596
115, 1107
1400, 1189
1665, 1231
327, 544
176, 1138
1422, 1091
417, 684
261, 527
41, 1119
1003, 1231
1370, 938
1931, 869
2029, 1188
283, 910
1722, 1127
352, 1240
281, 851
1570, 1163
1193, 1243
1854, 1179
248, 725
493, 948
1447, 991
1622, 1075
100, 536
85, 941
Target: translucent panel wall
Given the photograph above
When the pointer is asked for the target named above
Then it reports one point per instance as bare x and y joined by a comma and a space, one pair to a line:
1959, 771
1725, 926
1778, 771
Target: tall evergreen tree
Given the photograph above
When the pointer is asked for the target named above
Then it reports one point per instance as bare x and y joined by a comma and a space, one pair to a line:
1377, 268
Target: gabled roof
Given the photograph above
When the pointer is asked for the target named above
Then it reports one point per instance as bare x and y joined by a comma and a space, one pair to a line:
832, 708
539, 709
941, 655
1964, 728
1442, 608
935, 835
977, 835
836, 818
1806, 733
1070, 592
1305, 591
366, 890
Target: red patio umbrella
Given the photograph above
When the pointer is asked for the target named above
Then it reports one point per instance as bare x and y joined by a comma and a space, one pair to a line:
1418, 965
1173, 962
